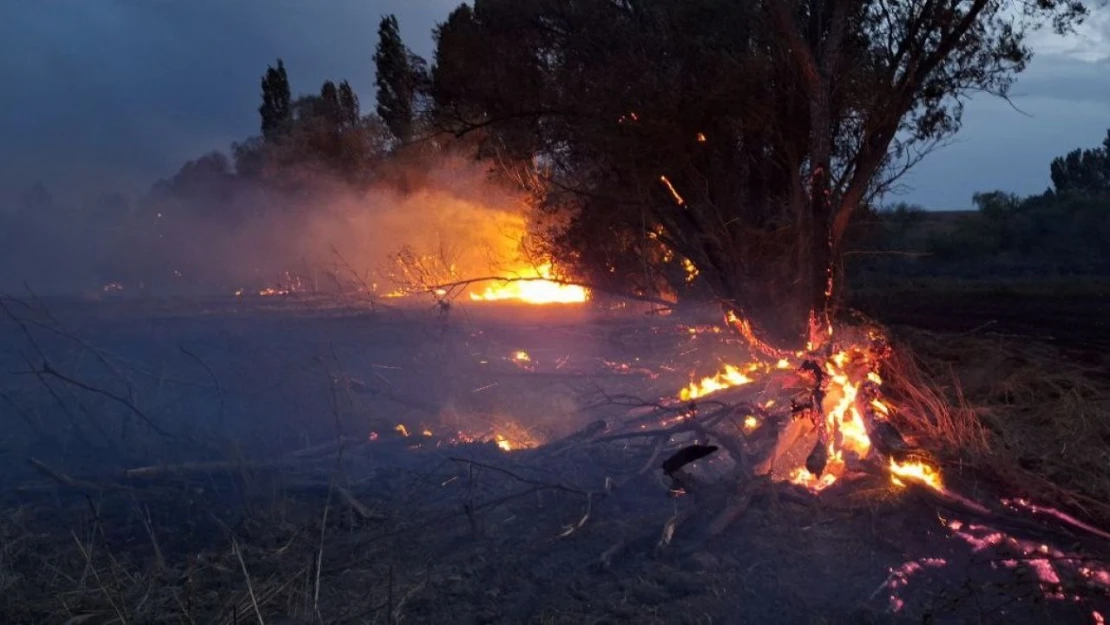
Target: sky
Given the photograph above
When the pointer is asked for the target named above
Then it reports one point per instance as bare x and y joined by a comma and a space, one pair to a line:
103, 95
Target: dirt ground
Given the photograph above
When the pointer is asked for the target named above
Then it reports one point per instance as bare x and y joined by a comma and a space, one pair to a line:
1076, 323
382, 529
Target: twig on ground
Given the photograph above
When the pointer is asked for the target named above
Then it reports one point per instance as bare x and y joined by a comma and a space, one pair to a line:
363, 511
86, 553
47, 369
211, 374
250, 587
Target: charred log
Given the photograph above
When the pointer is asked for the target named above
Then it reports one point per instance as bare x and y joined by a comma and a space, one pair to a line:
685, 456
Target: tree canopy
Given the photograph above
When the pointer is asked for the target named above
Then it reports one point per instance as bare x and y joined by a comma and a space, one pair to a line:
400, 77
742, 136
1083, 170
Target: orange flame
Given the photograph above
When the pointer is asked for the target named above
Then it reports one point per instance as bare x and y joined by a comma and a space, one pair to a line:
728, 377
534, 286
916, 471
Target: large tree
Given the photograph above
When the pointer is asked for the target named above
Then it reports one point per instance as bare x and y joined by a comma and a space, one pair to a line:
400, 78
743, 136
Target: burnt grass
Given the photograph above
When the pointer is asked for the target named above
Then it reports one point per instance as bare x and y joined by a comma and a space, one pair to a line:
299, 515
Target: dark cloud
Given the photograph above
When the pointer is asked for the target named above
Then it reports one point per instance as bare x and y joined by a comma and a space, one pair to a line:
114, 94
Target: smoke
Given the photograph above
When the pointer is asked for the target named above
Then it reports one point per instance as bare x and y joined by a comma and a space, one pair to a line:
435, 219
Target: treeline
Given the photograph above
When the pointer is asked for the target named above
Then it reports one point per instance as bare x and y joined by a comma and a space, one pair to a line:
668, 147
1060, 232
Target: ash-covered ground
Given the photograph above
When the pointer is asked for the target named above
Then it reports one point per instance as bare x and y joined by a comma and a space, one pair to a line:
239, 460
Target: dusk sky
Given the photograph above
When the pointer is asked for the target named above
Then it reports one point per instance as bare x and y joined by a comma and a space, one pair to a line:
113, 94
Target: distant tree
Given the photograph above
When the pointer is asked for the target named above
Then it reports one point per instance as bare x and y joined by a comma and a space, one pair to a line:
996, 205
401, 78
203, 187
1083, 171
348, 105
275, 110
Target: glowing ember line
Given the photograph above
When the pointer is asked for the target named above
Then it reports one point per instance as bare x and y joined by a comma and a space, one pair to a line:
674, 193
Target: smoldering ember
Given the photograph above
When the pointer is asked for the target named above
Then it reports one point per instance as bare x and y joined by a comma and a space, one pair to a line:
605, 314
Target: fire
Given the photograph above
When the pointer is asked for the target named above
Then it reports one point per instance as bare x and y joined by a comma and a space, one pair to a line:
534, 286
916, 471
728, 377
849, 388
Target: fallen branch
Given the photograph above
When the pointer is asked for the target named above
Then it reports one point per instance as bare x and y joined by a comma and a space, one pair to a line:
65, 480
737, 505
363, 511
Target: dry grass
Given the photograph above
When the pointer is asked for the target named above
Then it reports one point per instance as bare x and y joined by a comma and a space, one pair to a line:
1028, 413
934, 412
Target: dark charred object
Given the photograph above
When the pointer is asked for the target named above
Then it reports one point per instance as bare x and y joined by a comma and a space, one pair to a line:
817, 459
887, 438
818, 380
685, 456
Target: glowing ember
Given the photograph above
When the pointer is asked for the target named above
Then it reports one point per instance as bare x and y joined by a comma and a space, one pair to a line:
690, 269
915, 471
534, 286
802, 477
507, 436
750, 423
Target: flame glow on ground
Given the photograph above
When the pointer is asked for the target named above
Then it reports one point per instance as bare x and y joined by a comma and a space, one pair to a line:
533, 286
1058, 574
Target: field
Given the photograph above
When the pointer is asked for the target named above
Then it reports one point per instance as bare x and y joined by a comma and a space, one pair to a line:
282, 460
